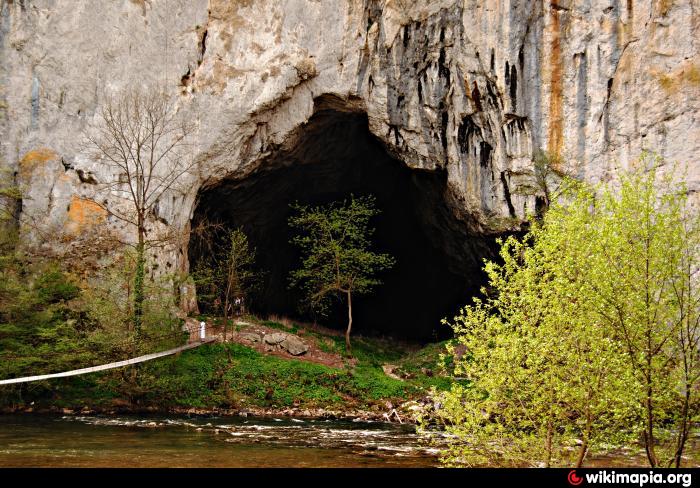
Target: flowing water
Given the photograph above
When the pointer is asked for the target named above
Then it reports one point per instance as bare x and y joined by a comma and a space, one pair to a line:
181, 441
170, 441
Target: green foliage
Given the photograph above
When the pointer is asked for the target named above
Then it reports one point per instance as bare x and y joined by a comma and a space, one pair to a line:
293, 329
585, 334
337, 261
40, 329
549, 176
139, 287
53, 287
227, 272
644, 276
335, 241
10, 197
258, 379
50, 321
234, 376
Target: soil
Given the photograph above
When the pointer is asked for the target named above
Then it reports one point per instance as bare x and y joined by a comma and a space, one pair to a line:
315, 354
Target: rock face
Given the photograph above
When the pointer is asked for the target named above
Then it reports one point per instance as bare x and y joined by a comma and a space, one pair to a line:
471, 87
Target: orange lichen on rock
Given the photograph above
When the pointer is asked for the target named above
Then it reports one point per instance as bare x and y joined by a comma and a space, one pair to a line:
34, 159
83, 214
686, 76
557, 94
664, 7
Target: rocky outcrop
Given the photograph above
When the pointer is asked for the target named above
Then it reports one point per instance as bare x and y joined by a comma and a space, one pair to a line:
471, 87
285, 342
251, 337
274, 338
294, 346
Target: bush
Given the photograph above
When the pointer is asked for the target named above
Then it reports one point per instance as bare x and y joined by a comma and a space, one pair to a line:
588, 334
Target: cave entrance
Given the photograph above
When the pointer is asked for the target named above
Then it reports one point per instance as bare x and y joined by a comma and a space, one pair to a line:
438, 264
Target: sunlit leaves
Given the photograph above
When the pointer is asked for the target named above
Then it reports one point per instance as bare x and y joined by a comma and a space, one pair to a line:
588, 337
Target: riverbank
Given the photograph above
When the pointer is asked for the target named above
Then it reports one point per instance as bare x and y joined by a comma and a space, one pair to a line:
384, 381
404, 414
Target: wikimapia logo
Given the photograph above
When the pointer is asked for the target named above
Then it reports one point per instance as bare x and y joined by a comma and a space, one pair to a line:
574, 479
639, 479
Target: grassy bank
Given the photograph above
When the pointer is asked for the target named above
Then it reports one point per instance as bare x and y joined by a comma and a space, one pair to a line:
234, 376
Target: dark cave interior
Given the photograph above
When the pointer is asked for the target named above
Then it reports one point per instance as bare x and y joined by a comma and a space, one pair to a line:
438, 262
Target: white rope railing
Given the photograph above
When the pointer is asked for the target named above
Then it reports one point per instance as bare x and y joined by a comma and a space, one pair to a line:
118, 364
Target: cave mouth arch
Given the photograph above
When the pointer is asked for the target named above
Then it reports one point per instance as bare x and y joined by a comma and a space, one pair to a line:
438, 261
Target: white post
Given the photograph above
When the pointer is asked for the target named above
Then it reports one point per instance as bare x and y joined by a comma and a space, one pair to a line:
202, 328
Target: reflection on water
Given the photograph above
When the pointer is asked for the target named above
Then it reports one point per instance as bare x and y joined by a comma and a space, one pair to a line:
130, 441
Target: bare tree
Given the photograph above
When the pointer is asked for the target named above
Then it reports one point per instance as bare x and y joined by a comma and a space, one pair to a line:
145, 140
226, 273
10, 198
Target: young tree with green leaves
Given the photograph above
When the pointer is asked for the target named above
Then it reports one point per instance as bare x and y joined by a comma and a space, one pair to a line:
543, 374
644, 277
335, 241
10, 197
239, 277
228, 275
589, 331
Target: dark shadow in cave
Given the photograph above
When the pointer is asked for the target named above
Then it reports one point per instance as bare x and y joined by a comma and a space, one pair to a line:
438, 262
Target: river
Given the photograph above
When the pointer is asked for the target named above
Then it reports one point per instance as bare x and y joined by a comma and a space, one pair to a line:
31, 440
179, 441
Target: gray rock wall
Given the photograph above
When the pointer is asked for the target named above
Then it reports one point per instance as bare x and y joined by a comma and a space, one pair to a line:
471, 86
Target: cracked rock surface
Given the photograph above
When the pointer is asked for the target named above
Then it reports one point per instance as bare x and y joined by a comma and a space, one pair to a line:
472, 88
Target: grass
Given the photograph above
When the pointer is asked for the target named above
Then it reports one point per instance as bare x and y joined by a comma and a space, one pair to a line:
235, 376
293, 329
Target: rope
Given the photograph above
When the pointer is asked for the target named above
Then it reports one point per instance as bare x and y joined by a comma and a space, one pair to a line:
91, 348
119, 364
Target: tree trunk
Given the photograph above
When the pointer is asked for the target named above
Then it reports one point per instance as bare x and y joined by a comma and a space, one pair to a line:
226, 314
348, 349
683, 431
586, 435
138, 283
649, 431
548, 445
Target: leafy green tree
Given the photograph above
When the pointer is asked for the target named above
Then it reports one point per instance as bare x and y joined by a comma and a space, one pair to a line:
588, 333
644, 277
543, 374
337, 261
41, 331
10, 197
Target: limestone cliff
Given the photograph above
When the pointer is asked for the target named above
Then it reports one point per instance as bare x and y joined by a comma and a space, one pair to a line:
471, 87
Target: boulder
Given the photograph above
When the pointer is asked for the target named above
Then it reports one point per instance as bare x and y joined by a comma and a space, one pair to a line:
250, 336
390, 370
294, 346
274, 338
